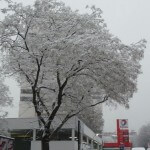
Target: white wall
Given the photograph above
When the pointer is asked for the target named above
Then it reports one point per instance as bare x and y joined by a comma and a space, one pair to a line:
35, 145
56, 145
26, 110
87, 131
63, 145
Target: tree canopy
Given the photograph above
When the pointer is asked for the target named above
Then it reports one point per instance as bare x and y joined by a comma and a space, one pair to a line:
66, 56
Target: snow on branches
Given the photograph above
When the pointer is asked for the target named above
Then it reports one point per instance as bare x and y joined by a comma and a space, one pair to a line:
65, 56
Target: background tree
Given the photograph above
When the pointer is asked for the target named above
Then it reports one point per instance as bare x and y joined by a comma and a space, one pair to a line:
5, 100
143, 137
64, 56
4, 128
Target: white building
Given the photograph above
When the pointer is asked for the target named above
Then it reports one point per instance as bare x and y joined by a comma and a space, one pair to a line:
26, 131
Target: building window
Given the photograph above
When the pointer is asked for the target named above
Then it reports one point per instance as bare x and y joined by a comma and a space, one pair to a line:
84, 139
62, 135
95, 145
23, 98
26, 91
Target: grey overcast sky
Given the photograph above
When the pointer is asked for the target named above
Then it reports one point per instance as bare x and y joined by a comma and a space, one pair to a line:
130, 21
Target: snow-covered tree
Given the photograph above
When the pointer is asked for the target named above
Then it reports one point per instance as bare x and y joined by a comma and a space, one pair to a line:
5, 100
93, 118
64, 56
4, 128
143, 137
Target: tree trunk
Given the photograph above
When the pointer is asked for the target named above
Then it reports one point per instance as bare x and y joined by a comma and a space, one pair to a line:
45, 145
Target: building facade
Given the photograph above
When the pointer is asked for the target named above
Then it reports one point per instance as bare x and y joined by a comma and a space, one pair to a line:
26, 133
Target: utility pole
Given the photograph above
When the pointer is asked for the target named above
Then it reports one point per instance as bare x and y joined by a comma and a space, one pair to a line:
79, 135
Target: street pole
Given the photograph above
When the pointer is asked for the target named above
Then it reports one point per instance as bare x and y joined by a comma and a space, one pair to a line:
79, 135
